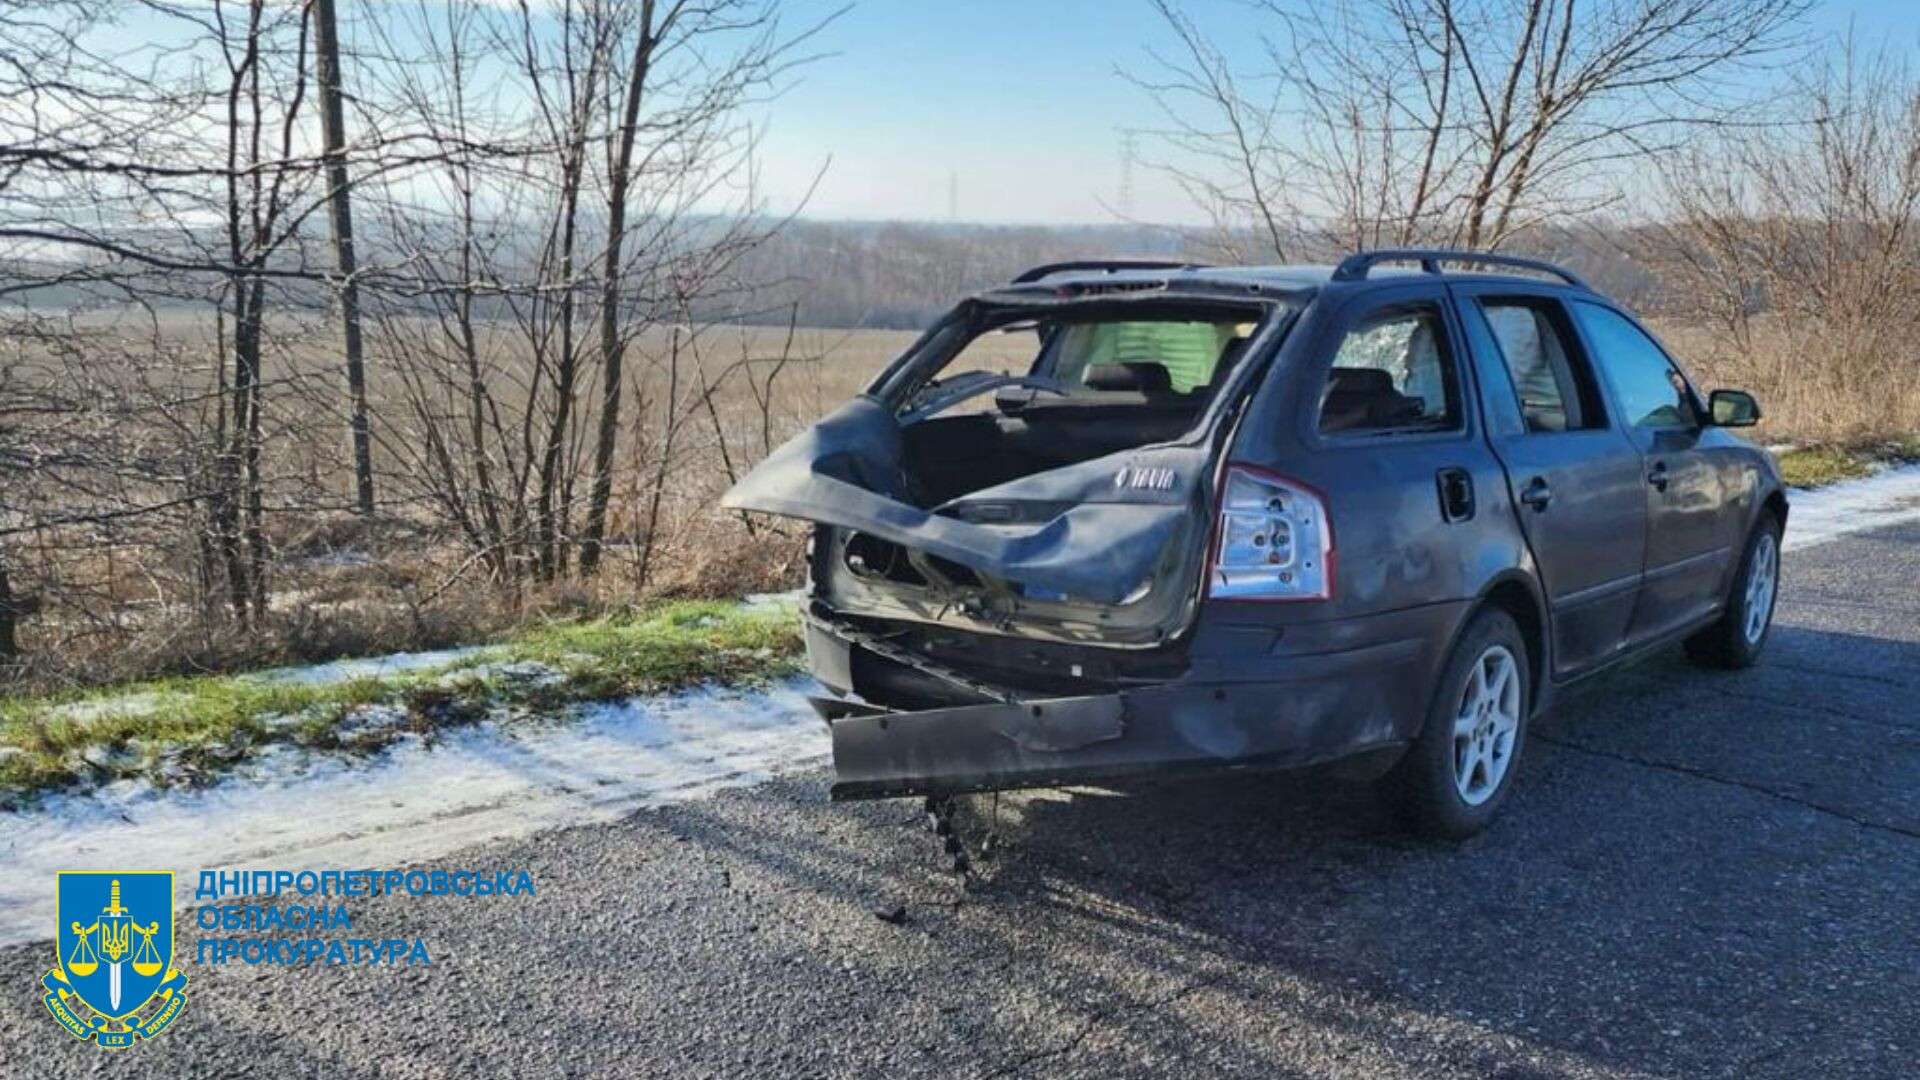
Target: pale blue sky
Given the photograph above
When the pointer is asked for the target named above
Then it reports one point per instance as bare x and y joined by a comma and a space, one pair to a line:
1019, 101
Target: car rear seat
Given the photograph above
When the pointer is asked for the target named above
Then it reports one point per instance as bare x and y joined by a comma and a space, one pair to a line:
1359, 398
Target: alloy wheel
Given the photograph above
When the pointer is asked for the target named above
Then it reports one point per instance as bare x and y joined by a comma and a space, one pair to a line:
1763, 576
1485, 725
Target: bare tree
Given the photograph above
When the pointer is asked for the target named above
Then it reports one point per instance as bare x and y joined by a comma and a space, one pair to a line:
333, 124
1465, 122
542, 191
677, 137
9, 613
1800, 244
628, 210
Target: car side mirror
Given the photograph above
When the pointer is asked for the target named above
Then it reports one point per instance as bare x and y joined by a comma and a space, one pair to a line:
1733, 408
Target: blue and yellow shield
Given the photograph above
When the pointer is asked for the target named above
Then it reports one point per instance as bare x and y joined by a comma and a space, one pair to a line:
115, 942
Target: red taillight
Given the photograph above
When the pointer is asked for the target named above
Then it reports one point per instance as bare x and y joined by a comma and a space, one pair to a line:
1273, 539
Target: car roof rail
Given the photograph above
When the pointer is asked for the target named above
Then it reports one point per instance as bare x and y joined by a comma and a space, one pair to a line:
1106, 266
1354, 267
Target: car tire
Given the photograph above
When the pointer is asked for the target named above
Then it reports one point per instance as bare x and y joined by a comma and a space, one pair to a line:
1735, 641
1454, 778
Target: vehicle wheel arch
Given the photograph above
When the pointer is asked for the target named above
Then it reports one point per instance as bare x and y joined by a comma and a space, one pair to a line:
1519, 596
1776, 504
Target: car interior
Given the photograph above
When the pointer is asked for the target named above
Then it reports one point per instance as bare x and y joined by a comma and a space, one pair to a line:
1389, 374
1098, 386
1552, 397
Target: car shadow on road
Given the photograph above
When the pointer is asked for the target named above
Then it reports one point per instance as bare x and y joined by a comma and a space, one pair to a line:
1699, 873
1697, 869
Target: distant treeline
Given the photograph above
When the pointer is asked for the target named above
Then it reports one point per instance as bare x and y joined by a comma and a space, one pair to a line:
901, 275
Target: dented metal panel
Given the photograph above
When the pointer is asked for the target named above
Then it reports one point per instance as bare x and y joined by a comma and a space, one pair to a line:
1104, 543
1106, 550
1338, 691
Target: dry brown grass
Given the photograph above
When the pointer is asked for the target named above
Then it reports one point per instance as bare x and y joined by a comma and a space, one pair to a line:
1858, 389
702, 551
121, 603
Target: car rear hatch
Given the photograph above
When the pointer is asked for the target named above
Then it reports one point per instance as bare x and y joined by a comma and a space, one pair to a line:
1106, 550
998, 599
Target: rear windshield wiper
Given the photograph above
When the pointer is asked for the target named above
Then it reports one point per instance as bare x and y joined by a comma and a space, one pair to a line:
1412, 429
970, 385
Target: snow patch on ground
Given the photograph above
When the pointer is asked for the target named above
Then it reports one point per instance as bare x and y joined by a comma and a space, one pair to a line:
287, 808
1889, 497
370, 720
342, 558
124, 705
371, 667
524, 672
763, 601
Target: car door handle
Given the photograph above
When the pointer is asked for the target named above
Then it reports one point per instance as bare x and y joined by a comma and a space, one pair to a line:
1537, 494
1456, 494
1657, 476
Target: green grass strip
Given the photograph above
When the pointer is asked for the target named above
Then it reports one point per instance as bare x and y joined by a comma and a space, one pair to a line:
1818, 466
190, 729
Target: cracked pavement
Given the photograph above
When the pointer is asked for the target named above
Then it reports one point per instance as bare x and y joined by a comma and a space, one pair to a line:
1700, 874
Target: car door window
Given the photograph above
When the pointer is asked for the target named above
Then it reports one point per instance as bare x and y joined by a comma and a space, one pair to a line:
1651, 391
1393, 371
1552, 385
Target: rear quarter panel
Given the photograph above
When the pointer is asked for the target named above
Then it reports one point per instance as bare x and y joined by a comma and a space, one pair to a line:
1393, 547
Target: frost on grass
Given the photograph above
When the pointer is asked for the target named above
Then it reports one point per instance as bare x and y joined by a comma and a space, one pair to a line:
373, 667
526, 673
138, 704
374, 720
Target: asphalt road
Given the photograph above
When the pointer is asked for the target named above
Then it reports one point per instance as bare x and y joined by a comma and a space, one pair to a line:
1699, 874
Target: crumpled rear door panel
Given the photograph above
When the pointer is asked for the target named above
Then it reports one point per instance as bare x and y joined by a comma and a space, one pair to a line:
1095, 531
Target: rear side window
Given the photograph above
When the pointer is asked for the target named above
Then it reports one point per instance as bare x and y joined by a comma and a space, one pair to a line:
1392, 372
1651, 391
1554, 391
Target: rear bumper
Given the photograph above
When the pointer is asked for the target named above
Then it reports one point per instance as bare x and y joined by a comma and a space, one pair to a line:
1159, 731
1260, 711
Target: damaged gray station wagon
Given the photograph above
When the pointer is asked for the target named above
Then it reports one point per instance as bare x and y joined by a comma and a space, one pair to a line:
1125, 518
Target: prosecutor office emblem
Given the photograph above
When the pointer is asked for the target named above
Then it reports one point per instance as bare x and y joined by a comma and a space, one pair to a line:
115, 983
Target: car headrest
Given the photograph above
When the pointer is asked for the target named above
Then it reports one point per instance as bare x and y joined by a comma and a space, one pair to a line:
1370, 382
1138, 377
1365, 398
1229, 356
